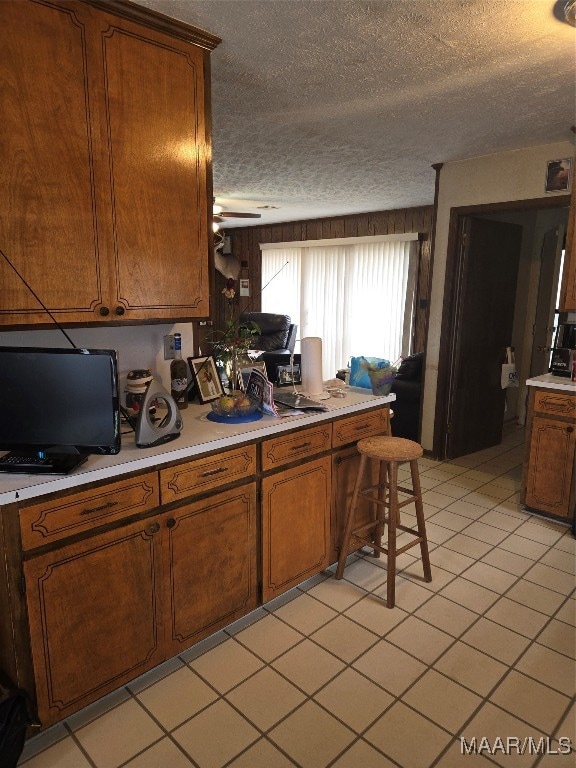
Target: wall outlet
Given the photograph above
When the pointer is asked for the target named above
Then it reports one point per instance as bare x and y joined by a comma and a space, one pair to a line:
169, 353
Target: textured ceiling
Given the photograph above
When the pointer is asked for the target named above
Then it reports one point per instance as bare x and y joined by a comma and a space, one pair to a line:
325, 107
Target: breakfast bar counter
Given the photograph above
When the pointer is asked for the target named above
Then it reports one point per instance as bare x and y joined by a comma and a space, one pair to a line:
131, 559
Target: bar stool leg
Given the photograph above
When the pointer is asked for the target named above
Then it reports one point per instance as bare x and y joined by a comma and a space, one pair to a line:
420, 519
380, 508
350, 518
392, 522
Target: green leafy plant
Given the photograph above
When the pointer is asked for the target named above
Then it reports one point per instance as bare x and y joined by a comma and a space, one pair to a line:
237, 338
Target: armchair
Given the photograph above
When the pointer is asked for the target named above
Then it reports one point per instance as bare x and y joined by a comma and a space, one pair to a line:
277, 332
276, 340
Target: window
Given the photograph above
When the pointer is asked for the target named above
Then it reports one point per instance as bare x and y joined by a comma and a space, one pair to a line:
356, 294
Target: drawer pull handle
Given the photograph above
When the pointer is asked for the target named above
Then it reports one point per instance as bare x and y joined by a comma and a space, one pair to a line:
154, 528
100, 508
170, 523
569, 430
210, 472
302, 445
361, 426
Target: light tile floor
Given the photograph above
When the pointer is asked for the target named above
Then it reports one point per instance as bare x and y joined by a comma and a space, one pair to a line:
326, 675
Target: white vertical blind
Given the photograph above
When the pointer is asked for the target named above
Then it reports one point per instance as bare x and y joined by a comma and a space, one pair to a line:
356, 294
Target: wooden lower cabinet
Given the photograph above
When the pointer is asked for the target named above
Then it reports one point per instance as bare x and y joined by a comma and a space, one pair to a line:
211, 577
551, 466
119, 576
96, 616
549, 470
104, 610
345, 465
295, 525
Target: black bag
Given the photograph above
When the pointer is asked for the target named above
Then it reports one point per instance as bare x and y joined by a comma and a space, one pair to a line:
14, 719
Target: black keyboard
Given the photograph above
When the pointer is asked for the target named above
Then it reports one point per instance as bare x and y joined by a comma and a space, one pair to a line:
53, 464
15, 463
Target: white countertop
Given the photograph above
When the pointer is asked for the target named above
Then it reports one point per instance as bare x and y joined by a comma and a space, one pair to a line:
198, 436
548, 381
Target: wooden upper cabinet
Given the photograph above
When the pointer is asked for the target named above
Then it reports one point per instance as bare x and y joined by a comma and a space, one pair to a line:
568, 290
47, 196
104, 205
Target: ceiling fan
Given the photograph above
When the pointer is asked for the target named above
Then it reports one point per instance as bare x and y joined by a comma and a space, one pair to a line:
219, 215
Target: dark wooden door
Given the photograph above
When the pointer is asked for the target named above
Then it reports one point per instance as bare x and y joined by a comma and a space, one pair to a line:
486, 292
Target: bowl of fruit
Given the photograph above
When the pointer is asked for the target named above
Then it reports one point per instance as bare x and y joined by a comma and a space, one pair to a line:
235, 405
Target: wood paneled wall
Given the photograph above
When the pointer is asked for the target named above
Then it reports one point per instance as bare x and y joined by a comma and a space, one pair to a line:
245, 243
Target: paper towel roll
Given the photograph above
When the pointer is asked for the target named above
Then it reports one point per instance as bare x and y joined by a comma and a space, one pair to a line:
311, 362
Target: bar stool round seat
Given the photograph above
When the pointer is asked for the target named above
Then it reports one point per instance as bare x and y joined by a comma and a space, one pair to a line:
384, 448
389, 452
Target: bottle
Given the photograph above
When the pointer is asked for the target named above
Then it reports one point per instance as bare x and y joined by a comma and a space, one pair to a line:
178, 375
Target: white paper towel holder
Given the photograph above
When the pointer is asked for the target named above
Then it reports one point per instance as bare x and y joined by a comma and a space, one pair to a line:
306, 378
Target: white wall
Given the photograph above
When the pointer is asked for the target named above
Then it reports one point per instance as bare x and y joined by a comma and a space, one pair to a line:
515, 175
138, 346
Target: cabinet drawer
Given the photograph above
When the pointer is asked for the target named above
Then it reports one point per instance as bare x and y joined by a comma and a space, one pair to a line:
200, 475
297, 445
56, 519
367, 424
555, 403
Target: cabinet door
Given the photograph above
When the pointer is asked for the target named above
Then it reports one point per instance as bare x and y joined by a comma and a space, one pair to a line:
104, 195
47, 201
550, 474
157, 150
345, 465
211, 575
295, 525
95, 616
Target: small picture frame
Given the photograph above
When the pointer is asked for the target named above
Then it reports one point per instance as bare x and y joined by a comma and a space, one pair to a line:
559, 175
286, 375
206, 378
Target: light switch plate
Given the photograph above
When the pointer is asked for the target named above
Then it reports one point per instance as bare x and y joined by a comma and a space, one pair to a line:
169, 347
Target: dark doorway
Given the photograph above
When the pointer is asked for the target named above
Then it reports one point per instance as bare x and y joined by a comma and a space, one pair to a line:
461, 405
483, 329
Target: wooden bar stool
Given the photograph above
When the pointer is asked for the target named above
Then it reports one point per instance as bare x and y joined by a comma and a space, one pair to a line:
390, 452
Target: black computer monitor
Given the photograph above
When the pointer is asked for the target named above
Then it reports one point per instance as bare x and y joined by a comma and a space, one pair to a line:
59, 402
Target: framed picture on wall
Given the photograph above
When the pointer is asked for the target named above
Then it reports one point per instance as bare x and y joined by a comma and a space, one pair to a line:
559, 175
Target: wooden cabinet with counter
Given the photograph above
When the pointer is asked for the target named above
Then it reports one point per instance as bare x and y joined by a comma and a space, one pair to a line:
210, 545
106, 137
295, 507
101, 582
549, 469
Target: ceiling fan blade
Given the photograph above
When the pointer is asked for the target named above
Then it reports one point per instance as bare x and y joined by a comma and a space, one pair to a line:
217, 218
238, 215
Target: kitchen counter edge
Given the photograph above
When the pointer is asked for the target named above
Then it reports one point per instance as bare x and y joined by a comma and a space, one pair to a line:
199, 436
